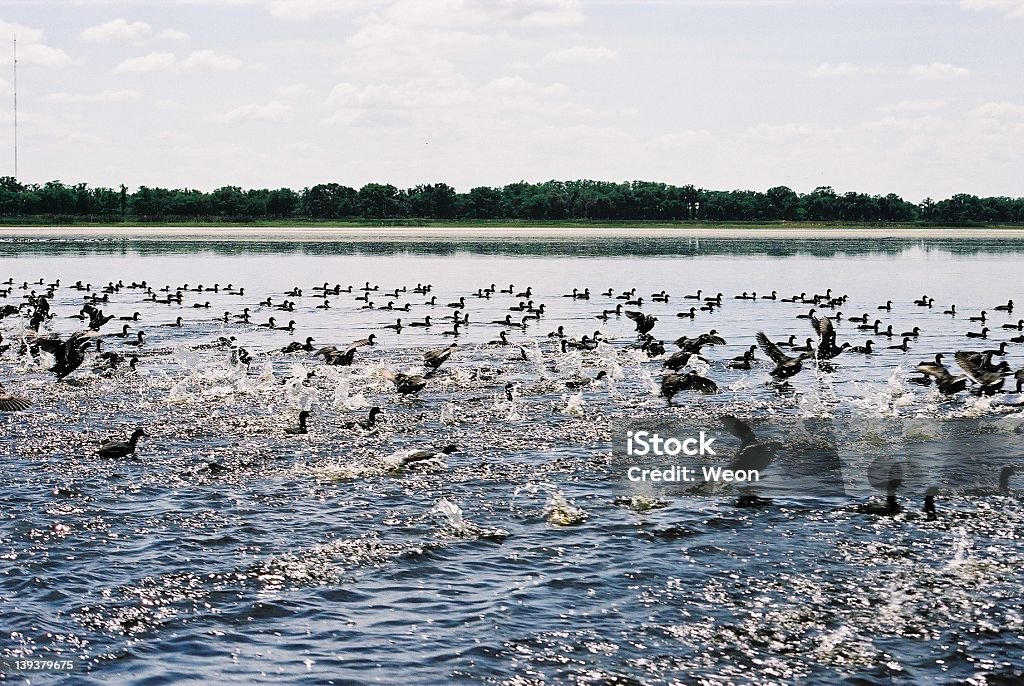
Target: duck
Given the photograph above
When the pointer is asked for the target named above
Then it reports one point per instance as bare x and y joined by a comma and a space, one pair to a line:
424, 323
116, 449
302, 428
582, 382
863, 349
1019, 326
905, 347
68, 354
913, 333
435, 358
947, 383
397, 326
417, 457
693, 296
785, 366
691, 314
502, 339
460, 304
980, 318
406, 384
134, 317
989, 382
887, 306
978, 334
365, 424
951, 311
671, 384
177, 323
139, 340
1008, 307
644, 322
296, 347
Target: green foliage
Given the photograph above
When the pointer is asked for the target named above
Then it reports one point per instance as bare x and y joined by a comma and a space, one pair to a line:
580, 200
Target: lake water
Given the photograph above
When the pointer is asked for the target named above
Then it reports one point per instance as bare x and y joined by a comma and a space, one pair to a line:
521, 557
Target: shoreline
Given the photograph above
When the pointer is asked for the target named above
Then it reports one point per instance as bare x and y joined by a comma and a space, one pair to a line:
501, 233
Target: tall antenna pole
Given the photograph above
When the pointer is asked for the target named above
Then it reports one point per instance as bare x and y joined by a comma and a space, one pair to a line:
15, 106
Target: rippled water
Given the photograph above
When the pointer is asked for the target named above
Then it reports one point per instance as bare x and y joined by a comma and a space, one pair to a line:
306, 559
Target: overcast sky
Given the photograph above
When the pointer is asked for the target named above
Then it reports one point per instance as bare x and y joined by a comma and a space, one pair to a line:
918, 97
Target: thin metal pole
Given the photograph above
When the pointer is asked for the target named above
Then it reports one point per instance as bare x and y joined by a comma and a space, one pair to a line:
15, 106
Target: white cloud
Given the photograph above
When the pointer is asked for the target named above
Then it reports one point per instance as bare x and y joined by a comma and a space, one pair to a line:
302, 10
913, 106
24, 33
102, 96
581, 54
274, 110
172, 34
998, 109
117, 30
1013, 8
208, 59
938, 70
42, 55
154, 61
827, 70
166, 61
31, 51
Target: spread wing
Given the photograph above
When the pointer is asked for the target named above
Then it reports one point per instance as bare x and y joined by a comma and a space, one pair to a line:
739, 428
636, 316
974, 371
699, 383
770, 349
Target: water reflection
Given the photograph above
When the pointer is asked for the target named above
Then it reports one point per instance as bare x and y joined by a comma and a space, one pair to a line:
584, 246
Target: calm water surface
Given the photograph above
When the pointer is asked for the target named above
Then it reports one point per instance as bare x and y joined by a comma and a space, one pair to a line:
307, 560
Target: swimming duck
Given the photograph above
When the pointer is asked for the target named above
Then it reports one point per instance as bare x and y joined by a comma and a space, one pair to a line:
301, 428
1008, 307
691, 314
364, 424
424, 323
115, 449
296, 347
139, 341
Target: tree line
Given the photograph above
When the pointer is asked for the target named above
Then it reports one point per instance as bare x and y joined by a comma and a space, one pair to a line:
548, 201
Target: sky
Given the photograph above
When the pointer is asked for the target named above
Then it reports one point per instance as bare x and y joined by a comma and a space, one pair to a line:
924, 98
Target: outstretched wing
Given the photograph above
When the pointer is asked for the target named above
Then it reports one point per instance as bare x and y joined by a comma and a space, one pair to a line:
770, 349
823, 327
975, 372
739, 428
700, 383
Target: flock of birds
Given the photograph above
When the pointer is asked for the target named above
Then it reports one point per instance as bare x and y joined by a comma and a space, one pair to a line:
30, 304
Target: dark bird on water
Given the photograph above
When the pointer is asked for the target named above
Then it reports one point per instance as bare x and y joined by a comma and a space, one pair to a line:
111, 448
785, 366
691, 381
947, 383
644, 322
301, 428
365, 424
989, 382
406, 384
435, 358
69, 354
